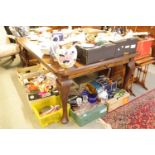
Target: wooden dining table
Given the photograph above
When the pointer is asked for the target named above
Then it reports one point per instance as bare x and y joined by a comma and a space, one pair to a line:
66, 76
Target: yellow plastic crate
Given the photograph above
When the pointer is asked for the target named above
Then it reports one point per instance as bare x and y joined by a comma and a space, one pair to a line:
52, 117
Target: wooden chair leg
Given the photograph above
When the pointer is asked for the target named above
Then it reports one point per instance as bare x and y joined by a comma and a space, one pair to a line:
145, 71
131, 92
141, 77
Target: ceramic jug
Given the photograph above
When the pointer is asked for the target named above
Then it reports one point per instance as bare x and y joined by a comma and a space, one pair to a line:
66, 55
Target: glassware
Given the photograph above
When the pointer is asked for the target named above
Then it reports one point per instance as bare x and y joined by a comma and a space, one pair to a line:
85, 98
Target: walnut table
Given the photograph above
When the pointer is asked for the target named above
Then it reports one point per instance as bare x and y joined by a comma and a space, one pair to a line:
65, 76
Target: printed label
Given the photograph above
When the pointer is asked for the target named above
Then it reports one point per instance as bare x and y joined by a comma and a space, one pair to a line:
133, 46
125, 100
127, 46
103, 110
84, 115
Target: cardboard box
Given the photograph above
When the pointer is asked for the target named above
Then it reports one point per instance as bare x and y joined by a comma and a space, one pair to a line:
114, 103
28, 72
96, 54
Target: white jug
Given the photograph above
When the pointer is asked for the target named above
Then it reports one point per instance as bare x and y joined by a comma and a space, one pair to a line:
65, 55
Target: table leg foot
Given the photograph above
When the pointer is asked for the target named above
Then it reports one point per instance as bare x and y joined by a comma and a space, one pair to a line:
64, 120
64, 87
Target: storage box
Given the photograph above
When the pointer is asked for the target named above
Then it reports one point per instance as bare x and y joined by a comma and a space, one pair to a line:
95, 113
144, 48
28, 72
52, 117
120, 48
96, 54
131, 45
39, 90
127, 46
114, 103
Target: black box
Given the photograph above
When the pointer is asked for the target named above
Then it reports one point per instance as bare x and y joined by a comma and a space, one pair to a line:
127, 46
96, 54
131, 45
120, 48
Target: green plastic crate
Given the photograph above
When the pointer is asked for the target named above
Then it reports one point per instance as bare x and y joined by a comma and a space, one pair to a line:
89, 116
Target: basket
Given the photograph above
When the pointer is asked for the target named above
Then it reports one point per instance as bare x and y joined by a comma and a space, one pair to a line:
52, 117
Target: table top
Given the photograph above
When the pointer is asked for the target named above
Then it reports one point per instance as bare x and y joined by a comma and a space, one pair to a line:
78, 69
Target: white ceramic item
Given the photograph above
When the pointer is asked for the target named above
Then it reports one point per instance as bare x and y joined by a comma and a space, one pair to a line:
66, 57
103, 95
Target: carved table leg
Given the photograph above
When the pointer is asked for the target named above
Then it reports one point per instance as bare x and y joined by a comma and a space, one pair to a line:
24, 57
64, 87
130, 68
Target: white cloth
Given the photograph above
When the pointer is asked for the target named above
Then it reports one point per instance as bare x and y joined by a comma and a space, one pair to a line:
8, 50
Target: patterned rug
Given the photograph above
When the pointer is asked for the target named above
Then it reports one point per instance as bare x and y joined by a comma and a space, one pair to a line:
137, 114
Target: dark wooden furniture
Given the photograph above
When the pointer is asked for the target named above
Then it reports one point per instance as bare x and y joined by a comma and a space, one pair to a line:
142, 70
65, 76
150, 29
27, 59
153, 50
118, 74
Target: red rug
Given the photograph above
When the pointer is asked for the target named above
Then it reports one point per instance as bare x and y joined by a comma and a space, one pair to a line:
137, 114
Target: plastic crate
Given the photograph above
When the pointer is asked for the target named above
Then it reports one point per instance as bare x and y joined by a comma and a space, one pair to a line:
52, 117
99, 111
